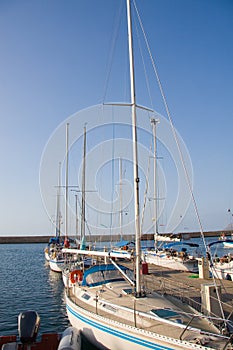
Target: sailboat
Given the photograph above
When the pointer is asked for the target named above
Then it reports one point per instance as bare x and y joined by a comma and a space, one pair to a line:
174, 255
72, 269
222, 267
110, 305
59, 259
228, 243
54, 243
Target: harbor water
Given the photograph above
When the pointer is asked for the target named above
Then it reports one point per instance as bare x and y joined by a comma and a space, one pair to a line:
28, 284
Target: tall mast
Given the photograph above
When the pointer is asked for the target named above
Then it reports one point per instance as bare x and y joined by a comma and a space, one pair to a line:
121, 211
135, 154
76, 215
153, 122
67, 178
83, 186
58, 214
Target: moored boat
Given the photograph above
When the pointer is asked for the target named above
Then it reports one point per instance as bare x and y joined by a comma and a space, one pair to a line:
221, 267
55, 242
228, 243
111, 305
173, 258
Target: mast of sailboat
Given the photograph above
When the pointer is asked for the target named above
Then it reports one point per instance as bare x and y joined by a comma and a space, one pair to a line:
58, 214
121, 211
67, 179
83, 186
153, 123
76, 215
135, 155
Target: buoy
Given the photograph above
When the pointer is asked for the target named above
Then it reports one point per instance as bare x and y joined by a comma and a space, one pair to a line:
76, 276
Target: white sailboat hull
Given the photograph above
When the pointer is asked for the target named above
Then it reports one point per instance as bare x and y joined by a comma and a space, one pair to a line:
173, 263
223, 270
106, 333
47, 257
56, 265
228, 244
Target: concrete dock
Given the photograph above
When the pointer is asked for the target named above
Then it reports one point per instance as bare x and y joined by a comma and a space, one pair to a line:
106, 238
188, 287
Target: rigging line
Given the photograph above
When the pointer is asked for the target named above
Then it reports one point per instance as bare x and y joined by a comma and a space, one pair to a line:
173, 128
178, 147
113, 46
144, 66
85, 220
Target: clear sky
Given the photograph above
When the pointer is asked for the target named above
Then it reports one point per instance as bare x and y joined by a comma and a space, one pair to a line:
54, 62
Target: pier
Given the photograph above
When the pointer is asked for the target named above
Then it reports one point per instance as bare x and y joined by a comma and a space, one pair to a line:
188, 287
108, 238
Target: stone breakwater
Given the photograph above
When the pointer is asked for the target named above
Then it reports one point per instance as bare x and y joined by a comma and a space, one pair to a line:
106, 238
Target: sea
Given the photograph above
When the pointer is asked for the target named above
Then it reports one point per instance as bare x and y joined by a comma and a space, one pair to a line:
27, 283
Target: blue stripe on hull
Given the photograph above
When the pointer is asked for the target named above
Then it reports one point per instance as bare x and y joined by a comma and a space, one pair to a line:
121, 335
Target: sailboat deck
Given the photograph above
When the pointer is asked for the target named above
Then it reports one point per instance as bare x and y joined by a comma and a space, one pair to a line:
132, 311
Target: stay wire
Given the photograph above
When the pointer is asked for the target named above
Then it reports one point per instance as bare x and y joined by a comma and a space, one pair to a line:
178, 148
112, 50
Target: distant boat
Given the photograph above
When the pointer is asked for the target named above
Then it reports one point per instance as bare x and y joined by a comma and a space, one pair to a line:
228, 244
167, 238
72, 269
173, 258
110, 304
222, 267
57, 259
55, 243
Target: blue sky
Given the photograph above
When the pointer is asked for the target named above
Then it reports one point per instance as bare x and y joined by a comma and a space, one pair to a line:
54, 62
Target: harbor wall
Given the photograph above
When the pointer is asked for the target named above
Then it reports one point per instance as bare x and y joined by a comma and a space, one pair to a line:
107, 238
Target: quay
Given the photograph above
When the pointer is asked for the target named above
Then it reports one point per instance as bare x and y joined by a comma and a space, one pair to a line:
108, 238
188, 287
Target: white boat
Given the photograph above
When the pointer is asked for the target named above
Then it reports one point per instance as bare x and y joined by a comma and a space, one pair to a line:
222, 267
228, 243
105, 307
71, 268
70, 339
57, 262
173, 258
167, 238
110, 305
55, 243
57, 259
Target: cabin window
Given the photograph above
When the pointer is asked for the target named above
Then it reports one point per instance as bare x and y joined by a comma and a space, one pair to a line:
167, 314
86, 296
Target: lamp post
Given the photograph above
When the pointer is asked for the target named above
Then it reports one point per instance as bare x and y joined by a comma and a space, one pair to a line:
230, 219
